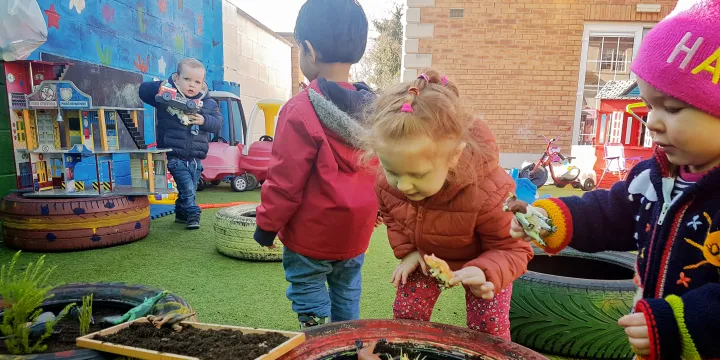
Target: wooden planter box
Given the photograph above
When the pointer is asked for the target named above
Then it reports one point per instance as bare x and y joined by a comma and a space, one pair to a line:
88, 341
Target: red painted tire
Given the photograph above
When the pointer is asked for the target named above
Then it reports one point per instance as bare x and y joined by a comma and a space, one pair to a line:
69, 224
337, 338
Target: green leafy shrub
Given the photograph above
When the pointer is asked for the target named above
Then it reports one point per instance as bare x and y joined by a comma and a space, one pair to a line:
22, 293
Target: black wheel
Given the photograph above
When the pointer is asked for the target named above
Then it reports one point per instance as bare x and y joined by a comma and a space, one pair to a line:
167, 96
538, 178
239, 183
252, 182
215, 182
569, 304
266, 138
191, 104
576, 185
219, 139
201, 185
588, 185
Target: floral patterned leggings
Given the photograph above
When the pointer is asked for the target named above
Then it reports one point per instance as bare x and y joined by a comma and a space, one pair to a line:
416, 300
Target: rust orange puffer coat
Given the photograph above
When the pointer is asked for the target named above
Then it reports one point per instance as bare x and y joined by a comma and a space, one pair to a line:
463, 224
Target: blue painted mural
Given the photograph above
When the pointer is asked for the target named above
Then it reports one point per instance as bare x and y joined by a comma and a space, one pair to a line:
148, 37
138, 37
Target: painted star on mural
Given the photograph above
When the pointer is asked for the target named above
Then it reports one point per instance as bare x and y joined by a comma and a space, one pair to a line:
53, 17
162, 65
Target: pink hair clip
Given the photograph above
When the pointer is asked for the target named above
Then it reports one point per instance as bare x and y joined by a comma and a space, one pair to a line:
406, 108
424, 76
444, 80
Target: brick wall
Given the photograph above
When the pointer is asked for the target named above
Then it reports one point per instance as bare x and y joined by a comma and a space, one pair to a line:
255, 57
516, 61
297, 75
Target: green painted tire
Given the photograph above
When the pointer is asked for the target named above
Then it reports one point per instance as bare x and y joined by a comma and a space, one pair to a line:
234, 229
569, 304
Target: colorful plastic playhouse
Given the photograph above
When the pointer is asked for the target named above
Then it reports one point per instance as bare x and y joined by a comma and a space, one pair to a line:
243, 163
64, 146
621, 128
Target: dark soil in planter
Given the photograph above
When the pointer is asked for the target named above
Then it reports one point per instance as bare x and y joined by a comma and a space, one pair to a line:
70, 328
388, 351
203, 344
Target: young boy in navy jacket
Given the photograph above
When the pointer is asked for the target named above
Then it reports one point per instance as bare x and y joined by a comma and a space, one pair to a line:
189, 143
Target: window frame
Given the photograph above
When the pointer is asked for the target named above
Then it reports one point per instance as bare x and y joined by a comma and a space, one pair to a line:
610, 29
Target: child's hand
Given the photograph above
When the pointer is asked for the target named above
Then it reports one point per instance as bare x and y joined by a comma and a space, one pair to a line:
637, 331
196, 119
407, 266
378, 221
517, 231
475, 280
366, 353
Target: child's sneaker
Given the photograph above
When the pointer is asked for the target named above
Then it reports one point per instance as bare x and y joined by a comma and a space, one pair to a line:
180, 217
307, 320
193, 222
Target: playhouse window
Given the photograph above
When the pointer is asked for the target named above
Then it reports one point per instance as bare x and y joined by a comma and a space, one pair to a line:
607, 51
20, 131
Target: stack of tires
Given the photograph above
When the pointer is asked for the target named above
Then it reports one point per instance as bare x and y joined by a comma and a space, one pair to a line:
234, 229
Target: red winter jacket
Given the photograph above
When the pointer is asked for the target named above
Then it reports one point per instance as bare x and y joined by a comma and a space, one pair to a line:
317, 196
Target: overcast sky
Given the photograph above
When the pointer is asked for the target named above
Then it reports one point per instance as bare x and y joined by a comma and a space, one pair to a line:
280, 15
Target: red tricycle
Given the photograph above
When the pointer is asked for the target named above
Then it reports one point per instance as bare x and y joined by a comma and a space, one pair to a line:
537, 173
241, 163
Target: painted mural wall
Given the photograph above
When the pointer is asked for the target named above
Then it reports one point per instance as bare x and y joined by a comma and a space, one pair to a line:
256, 58
117, 44
124, 42
147, 37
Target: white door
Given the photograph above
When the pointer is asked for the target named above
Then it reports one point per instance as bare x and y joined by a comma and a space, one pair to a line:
46, 134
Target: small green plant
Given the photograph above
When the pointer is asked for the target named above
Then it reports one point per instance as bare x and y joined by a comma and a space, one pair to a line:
22, 293
86, 314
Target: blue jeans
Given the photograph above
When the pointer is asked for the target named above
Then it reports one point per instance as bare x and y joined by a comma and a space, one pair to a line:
340, 300
186, 175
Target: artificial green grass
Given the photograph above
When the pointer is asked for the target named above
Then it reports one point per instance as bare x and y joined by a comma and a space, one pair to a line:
225, 290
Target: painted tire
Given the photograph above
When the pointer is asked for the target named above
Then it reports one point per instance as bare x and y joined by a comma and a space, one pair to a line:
323, 342
234, 230
53, 225
574, 315
118, 293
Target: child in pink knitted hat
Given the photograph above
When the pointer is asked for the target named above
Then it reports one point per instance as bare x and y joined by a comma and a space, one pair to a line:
668, 209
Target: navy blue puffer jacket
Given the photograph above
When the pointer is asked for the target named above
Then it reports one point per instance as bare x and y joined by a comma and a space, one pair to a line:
172, 134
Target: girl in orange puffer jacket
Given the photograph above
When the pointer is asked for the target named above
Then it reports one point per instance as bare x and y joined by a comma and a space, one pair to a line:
442, 192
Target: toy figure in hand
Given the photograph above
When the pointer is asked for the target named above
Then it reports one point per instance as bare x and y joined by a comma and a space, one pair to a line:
440, 270
179, 104
534, 223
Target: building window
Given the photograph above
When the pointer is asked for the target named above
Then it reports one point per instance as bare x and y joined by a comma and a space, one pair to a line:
608, 51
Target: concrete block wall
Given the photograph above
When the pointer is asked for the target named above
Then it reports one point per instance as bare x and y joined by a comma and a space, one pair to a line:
256, 58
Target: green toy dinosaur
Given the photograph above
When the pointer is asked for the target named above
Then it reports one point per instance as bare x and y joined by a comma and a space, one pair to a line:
138, 311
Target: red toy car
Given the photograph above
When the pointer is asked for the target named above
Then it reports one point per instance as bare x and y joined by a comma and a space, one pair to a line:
169, 96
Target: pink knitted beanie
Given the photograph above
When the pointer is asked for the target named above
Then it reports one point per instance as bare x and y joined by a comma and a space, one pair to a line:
680, 56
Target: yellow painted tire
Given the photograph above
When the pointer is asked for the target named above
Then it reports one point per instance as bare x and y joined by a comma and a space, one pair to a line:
69, 224
234, 229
